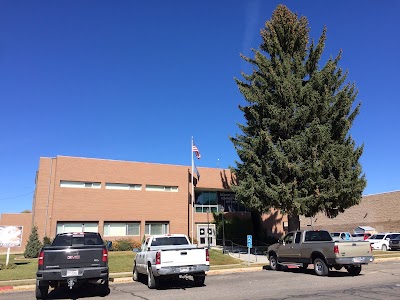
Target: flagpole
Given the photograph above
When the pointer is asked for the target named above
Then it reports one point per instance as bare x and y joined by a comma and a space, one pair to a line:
191, 150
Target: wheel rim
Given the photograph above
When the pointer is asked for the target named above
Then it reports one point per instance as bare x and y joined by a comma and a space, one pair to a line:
384, 248
318, 266
273, 262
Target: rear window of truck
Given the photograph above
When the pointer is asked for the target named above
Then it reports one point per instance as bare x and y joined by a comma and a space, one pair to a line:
317, 236
167, 241
79, 240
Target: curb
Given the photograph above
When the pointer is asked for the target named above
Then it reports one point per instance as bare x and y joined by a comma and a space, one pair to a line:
6, 288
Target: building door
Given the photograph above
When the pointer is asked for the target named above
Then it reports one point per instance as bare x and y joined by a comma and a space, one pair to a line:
205, 231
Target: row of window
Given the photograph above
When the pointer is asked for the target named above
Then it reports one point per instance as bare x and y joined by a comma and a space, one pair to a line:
114, 228
117, 186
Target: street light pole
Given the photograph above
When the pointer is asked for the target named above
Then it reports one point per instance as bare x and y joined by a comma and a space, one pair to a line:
208, 229
223, 229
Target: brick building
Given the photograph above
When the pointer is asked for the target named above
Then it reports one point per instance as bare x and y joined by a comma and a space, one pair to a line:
123, 199
379, 211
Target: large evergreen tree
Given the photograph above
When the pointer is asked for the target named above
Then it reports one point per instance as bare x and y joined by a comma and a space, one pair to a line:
296, 153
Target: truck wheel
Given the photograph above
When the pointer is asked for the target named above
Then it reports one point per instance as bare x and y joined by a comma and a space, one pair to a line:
105, 288
320, 267
273, 263
384, 247
152, 281
135, 275
354, 270
199, 279
41, 291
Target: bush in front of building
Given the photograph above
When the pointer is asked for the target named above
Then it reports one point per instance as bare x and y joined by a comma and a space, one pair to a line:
124, 245
34, 245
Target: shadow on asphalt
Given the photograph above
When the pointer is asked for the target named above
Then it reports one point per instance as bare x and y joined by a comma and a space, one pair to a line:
310, 271
79, 292
181, 283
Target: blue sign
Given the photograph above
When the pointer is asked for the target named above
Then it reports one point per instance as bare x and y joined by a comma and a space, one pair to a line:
249, 241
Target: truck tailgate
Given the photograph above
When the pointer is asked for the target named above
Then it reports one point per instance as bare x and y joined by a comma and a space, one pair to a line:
354, 249
183, 257
74, 257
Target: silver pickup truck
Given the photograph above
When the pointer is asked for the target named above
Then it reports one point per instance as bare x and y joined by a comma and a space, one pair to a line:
316, 247
169, 256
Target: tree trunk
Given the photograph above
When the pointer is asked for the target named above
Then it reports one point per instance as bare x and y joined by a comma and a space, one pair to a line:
293, 222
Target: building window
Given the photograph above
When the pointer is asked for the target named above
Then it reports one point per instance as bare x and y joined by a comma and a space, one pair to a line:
121, 229
80, 184
214, 201
123, 186
152, 228
206, 201
161, 188
64, 227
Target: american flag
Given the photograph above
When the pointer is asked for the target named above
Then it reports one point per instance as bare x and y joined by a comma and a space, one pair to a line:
196, 151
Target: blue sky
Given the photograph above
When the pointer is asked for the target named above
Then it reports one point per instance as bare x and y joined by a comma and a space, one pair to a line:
135, 80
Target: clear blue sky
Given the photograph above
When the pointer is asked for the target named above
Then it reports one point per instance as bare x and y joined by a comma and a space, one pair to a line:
134, 80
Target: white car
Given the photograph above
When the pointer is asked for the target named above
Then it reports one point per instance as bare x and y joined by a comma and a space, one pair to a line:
380, 241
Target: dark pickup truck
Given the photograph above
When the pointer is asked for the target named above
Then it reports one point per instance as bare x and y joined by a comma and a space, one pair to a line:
72, 258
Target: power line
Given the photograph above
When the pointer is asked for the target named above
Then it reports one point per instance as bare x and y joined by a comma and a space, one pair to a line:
16, 196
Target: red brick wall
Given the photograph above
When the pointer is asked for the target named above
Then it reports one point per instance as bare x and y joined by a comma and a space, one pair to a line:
379, 211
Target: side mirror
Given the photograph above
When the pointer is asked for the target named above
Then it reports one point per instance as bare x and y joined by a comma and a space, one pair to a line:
136, 250
280, 241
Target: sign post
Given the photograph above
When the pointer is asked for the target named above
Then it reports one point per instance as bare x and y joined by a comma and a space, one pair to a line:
249, 244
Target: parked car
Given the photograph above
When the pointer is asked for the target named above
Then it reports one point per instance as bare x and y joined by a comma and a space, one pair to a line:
380, 241
169, 256
394, 243
316, 247
72, 259
360, 236
341, 236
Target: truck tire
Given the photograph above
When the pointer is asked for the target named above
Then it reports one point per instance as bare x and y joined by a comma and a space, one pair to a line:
105, 288
320, 267
384, 247
273, 263
152, 281
135, 275
41, 291
354, 270
199, 279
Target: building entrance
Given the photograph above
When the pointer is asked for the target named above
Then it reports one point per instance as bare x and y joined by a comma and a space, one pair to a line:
206, 232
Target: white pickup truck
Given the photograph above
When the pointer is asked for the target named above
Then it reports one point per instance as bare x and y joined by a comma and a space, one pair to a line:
169, 256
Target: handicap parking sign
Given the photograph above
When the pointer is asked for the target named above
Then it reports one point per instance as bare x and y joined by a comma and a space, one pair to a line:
249, 241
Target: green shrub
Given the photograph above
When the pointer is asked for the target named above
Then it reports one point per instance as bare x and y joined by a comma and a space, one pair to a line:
124, 245
34, 245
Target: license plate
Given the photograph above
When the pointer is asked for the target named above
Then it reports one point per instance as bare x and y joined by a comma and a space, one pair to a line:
358, 259
72, 273
184, 269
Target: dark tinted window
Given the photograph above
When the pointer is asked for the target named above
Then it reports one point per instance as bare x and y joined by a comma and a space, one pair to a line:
321, 236
166, 241
298, 236
82, 239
